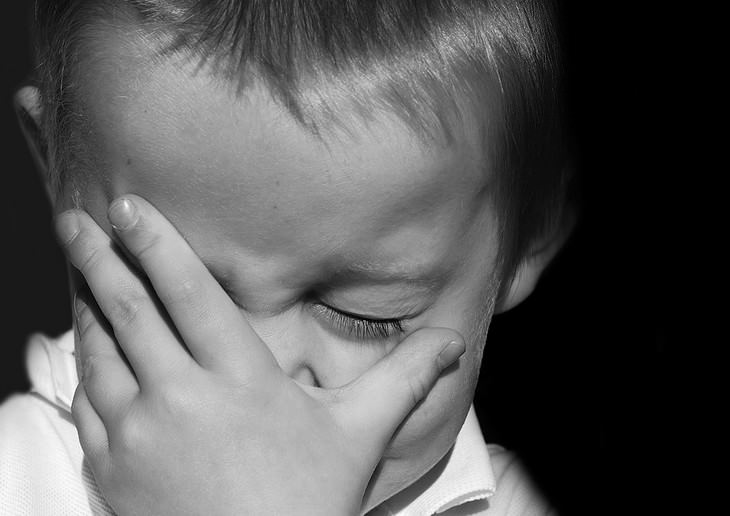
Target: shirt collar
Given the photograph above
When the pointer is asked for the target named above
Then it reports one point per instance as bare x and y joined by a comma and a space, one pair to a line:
52, 368
465, 476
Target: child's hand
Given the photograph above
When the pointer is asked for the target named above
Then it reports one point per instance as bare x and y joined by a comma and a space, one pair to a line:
183, 409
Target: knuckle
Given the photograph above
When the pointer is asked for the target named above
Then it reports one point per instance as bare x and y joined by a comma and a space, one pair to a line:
92, 256
188, 291
130, 435
93, 370
89, 371
340, 395
418, 379
173, 399
146, 244
416, 388
127, 307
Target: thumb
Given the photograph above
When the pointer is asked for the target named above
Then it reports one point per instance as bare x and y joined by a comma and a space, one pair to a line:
373, 406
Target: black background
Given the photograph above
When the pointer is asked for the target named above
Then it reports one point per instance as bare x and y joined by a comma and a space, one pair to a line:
580, 378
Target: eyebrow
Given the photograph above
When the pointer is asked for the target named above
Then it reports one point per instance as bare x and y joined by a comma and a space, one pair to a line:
422, 277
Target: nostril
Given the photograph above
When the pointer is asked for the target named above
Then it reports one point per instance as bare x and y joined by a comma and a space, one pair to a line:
305, 376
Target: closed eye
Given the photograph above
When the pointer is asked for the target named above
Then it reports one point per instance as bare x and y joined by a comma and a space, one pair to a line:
359, 327
347, 324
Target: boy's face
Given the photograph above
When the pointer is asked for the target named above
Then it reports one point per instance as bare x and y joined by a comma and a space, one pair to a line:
374, 224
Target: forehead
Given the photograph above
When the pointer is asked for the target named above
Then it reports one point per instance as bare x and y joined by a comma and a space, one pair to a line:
238, 170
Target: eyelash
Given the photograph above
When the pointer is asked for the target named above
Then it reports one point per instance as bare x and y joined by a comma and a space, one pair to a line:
361, 328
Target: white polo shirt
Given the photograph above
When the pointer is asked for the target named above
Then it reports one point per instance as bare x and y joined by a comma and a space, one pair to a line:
43, 471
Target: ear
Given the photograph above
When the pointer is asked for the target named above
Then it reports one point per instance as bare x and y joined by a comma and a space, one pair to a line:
531, 268
28, 108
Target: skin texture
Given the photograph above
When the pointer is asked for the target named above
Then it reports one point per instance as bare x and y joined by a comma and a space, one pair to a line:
278, 216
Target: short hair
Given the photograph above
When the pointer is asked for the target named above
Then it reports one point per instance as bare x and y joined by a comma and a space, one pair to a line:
416, 58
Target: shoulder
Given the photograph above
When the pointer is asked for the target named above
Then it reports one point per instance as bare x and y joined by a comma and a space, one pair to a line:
516, 494
40, 464
27, 412
29, 422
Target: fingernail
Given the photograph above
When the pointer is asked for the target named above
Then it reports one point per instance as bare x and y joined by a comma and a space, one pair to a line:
451, 352
67, 226
122, 214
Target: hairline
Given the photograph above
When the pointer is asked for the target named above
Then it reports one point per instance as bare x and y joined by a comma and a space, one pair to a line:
528, 62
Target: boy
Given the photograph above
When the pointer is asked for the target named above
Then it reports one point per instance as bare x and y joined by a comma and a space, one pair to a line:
289, 225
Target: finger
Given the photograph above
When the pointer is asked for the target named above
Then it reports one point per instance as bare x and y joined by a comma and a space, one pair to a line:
93, 437
215, 332
140, 328
108, 380
374, 405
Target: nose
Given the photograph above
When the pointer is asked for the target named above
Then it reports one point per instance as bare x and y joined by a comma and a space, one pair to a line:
297, 353
309, 355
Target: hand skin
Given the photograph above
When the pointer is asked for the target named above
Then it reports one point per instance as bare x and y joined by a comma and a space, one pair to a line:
182, 408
